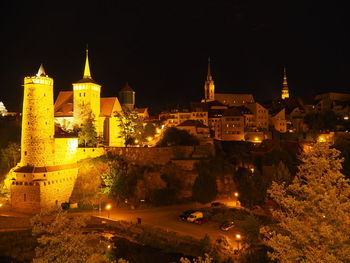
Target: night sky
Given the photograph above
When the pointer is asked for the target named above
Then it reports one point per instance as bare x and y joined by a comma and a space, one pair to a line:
161, 47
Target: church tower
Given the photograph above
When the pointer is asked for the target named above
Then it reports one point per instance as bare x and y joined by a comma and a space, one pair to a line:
285, 91
209, 87
38, 121
86, 95
127, 97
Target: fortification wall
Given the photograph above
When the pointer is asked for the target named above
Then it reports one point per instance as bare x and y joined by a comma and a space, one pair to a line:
154, 155
58, 188
34, 191
25, 196
65, 150
84, 153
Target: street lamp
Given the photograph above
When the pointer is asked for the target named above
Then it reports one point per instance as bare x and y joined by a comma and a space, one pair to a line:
236, 195
238, 239
108, 208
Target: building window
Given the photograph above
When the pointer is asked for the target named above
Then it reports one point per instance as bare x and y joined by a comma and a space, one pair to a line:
25, 153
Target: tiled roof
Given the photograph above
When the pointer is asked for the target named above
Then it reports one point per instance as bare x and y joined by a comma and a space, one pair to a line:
64, 104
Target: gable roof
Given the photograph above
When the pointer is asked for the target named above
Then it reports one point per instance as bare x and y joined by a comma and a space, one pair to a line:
64, 104
109, 106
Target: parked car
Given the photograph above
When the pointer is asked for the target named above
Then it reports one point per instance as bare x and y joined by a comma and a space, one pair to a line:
186, 214
201, 221
217, 204
227, 226
196, 215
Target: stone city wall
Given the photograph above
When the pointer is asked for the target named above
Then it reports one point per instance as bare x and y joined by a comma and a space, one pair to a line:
155, 155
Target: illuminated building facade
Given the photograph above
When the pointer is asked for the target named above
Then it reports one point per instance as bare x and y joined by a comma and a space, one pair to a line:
73, 107
3, 110
46, 173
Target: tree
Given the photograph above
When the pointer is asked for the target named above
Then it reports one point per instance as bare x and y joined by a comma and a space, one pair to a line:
173, 136
313, 212
11, 155
148, 131
281, 174
130, 125
87, 133
251, 187
121, 180
204, 188
61, 239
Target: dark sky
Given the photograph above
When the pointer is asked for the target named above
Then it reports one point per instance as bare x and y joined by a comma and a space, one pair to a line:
161, 47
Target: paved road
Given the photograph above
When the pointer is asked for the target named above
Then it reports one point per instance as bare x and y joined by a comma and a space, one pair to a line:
164, 217
167, 218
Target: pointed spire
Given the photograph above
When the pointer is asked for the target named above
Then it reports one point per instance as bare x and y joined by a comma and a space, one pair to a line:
285, 84
41, 71
87, 74
285, 91
209, 77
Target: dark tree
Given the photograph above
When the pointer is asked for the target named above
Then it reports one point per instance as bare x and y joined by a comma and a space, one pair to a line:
204, 188
173, 136
251, 187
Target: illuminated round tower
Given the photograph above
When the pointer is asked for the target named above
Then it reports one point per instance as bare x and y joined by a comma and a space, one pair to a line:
38, 121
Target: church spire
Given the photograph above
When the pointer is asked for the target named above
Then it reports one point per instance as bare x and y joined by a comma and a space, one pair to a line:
87, 74
41, 71
285, 91
209, 77
209, 87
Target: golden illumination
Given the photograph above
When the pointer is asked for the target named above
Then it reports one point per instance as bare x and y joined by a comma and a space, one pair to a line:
236, 194
321, 139
238, 236
108, 206
149, 138
0, 205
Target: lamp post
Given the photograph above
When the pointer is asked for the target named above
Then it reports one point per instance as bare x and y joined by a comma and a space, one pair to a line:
108, 208
238, 239
236, 195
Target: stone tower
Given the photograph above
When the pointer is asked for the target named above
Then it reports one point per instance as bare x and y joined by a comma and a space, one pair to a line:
38, 121
209, 87
127, 97
86, 95
285, 91
45, 176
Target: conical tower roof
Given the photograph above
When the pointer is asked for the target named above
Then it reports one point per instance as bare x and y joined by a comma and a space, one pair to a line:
127, 87
41, 71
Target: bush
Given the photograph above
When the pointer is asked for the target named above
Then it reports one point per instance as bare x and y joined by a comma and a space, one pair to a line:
65, 206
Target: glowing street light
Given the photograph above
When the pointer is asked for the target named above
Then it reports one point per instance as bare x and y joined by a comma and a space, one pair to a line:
108, 208
236, 194
238, 239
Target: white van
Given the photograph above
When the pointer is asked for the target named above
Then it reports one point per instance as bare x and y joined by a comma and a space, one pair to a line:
195, 215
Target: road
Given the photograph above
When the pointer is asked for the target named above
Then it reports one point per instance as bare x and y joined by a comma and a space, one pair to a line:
165, 217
